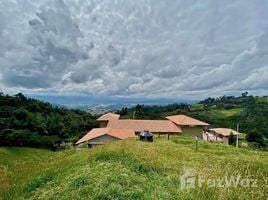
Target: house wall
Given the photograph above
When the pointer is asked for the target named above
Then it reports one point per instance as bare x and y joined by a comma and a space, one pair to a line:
212, 137
102, 139
193, 131
225, 140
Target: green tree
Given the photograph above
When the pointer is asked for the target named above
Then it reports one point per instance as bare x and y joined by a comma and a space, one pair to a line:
139, 112
255, 136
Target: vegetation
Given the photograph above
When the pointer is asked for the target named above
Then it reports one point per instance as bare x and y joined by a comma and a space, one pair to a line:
251, 113
29, 122
130, 169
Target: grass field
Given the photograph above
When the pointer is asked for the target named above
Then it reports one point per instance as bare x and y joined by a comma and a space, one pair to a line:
262, 99
226, 112
131, 170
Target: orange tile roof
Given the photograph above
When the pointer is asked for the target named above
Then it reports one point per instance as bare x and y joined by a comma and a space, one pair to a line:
97, 132
185, 120
157, 126
108, 117
225, 131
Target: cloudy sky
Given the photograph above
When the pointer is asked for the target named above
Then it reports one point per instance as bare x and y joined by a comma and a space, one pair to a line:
138, 48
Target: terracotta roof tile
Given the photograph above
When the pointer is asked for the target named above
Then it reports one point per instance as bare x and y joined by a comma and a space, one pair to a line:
185, 120
225, 131
108, 117
97, 132
157, 126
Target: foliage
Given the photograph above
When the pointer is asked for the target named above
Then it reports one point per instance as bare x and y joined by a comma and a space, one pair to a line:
123, 111
256, 137
251, 113
29, 122
139, 112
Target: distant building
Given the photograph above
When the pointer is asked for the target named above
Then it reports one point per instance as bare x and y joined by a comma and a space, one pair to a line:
99, 136
220, 135
189, 126
113, 128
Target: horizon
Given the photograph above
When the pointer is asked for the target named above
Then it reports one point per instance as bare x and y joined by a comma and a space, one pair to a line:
77, 101
147, 50
87, 100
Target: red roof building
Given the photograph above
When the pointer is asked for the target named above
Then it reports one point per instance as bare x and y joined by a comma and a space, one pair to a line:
114, 128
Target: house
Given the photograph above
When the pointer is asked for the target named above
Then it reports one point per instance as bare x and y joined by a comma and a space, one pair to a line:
113, 128
98, 136
220, 135
189, 125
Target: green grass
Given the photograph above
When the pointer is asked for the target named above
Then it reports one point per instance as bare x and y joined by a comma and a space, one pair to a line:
262, 99
19, 165
197, 107
225, 113
12, 155
130, 169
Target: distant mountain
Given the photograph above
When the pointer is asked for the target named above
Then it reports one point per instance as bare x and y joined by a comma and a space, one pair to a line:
88, 101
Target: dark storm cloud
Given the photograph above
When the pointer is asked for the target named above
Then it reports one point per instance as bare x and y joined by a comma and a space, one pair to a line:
151, 48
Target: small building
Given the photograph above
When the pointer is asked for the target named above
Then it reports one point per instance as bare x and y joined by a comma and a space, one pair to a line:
220, 135
104, 119
189, 126
99, 136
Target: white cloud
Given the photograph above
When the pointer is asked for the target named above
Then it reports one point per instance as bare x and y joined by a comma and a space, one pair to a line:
152, 48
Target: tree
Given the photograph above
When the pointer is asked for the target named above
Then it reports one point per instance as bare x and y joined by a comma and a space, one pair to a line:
139, 111
257, 137
21, 97
244, 94
29, 122
123, 111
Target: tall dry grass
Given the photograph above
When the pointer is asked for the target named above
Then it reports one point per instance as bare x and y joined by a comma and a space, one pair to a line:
131, 169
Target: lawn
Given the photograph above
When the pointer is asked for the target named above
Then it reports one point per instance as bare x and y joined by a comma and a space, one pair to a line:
131, 169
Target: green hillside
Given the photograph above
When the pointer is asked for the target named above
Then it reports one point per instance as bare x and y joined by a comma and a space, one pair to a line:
251, 113
29, 122
131, 169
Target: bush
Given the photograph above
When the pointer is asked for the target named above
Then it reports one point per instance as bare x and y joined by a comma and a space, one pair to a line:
11, 137
256, 137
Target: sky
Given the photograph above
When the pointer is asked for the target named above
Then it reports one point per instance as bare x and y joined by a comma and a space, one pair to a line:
142, 48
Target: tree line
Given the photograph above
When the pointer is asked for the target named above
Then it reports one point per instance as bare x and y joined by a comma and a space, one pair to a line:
252, 115
29, 122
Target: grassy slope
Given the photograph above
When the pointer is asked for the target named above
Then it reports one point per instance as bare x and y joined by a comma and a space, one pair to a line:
262, 99
225, 113
17, 164
130, 170
216, 114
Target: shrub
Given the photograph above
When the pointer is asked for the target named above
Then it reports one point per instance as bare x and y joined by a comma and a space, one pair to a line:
256, 137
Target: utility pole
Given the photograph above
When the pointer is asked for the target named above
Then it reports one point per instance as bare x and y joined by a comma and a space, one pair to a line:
196, 143
133, 116
237, 129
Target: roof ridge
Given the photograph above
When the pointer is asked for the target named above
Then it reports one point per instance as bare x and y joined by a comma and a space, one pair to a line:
184, 116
